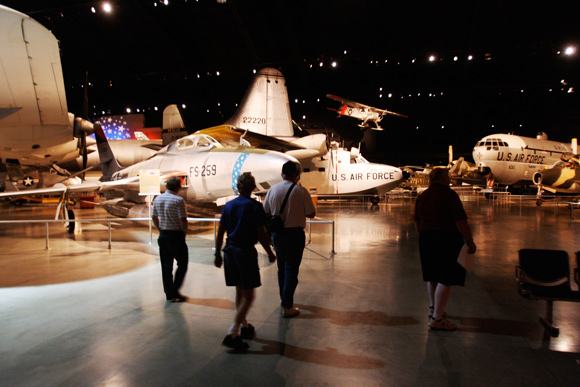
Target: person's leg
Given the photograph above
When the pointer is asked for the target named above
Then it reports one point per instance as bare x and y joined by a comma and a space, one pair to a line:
166, 260
244, 299
295, 251
181, 254
431, 287
442, 293
279, 246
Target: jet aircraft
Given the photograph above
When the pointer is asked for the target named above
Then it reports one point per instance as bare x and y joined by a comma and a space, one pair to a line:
370, 116
562, 177
263, 119
208, 170
513, 160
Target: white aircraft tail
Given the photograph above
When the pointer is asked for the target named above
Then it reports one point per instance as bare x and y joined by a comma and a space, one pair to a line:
265, 108
173, 125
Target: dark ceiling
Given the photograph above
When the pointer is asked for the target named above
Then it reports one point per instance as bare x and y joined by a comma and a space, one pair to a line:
145, 54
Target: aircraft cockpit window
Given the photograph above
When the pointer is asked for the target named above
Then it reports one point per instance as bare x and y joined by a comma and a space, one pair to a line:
198, 141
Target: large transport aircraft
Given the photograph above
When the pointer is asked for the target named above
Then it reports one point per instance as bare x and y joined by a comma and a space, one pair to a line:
512, 160
35, 126
263, 119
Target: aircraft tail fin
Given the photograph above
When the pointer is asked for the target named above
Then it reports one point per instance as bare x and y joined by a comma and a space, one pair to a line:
109, 164
265, 108
173, 124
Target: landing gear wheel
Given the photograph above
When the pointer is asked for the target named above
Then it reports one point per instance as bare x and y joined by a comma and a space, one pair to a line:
70, 228
375, 200
539, 202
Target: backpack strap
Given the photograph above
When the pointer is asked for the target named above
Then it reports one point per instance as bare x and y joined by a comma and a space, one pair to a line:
286, 199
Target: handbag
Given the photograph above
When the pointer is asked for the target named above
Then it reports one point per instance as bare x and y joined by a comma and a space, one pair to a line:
274, 223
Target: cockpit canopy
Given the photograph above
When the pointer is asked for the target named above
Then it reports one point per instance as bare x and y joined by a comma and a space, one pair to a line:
193, 141
492, 143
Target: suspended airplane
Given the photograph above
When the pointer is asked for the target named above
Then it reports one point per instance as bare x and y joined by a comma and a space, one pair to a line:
35, 126
263, 119
370, 116
512, 160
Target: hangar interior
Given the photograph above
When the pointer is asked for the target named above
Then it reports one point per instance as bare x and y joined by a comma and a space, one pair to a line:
80, 313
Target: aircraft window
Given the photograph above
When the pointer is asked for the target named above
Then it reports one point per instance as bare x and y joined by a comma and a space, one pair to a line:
321, 169
185, 142
202, 141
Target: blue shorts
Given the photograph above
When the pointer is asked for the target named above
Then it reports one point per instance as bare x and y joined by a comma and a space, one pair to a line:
241, 267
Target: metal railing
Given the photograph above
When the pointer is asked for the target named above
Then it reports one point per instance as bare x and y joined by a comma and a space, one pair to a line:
215, 221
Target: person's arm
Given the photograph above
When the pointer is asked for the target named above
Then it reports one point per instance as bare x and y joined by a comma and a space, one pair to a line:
184, 225
156, 222
182, 211
218, 246
310, 210
264, 240
465, 230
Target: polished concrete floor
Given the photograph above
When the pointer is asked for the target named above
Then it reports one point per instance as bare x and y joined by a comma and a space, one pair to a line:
81, 314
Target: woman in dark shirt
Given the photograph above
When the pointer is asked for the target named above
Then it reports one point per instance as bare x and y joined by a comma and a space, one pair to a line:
442, 225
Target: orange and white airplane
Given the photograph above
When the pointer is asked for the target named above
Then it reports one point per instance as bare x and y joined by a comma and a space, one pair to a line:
369, 115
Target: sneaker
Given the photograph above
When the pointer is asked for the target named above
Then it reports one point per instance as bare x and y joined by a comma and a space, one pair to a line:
179, 298
291, 312
235, 342
442, 325
248, 332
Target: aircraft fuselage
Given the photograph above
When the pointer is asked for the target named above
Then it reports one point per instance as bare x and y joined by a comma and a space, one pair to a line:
513, 159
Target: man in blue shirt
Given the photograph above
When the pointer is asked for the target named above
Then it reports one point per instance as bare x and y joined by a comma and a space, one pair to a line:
244, 221
170, 217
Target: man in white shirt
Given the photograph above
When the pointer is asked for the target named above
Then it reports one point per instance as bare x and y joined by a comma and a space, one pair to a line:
170, 218
289, 243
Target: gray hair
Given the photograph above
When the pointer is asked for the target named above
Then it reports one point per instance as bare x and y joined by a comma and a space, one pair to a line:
246, 182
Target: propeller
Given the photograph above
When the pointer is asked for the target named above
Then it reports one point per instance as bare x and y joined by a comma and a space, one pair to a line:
83, 127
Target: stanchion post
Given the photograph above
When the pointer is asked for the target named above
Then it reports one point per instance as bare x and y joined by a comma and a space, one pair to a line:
109, 222
46, 231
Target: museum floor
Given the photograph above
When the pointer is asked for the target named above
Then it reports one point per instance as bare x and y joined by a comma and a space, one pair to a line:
80, 314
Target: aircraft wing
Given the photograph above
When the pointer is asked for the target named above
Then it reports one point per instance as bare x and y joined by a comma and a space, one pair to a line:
358, 105
57, 189
348, 102
384, 112
31, 83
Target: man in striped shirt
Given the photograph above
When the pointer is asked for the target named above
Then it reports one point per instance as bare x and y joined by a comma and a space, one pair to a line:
170, 218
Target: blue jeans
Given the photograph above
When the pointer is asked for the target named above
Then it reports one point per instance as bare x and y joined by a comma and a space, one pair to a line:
289, 245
